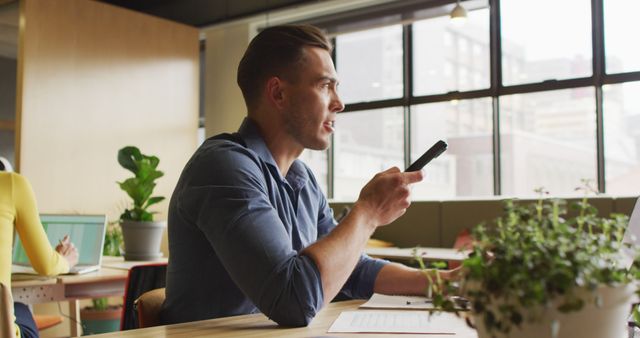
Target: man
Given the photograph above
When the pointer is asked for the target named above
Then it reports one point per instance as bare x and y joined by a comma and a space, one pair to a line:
249, 228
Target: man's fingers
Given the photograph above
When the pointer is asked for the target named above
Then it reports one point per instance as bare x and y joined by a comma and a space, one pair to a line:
392, 170
413, 176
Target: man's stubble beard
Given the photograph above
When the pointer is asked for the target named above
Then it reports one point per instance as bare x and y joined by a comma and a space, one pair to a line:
295, 126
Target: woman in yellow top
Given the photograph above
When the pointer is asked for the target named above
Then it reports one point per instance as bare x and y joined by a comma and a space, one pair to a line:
18, 211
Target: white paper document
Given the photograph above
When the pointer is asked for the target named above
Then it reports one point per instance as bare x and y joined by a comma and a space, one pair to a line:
378, 301
428, 254
395, 321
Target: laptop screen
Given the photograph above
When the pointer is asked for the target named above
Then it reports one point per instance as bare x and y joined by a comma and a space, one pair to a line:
85, 231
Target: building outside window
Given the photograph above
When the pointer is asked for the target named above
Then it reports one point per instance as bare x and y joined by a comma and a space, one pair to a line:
561, 102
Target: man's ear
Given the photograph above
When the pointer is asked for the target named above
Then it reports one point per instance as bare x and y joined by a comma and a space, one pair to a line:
274, 91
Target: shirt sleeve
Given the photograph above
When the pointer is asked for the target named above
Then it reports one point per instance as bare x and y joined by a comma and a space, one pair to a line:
362, 279
44, 259
227, 198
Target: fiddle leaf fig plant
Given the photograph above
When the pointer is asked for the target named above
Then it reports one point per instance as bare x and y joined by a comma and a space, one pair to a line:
140, 187
535, 256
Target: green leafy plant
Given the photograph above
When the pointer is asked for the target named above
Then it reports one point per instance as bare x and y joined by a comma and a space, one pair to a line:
535, 256
112, 240
100, 304
140, 187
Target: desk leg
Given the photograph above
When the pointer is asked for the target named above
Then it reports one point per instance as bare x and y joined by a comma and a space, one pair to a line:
74, 313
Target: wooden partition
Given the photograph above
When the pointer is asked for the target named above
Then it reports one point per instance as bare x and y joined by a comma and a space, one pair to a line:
224, 105
438, 223
93, 78
419, 226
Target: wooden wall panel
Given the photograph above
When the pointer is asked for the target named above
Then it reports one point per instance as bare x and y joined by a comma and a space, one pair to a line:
94, 78
224, 105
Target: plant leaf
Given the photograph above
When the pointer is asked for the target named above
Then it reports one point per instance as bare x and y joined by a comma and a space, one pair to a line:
127, 157
153, 200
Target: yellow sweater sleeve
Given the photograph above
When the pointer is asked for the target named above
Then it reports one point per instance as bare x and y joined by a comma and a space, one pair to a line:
44, 259
18, 210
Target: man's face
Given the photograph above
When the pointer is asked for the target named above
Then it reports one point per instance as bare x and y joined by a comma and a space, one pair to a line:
312, 100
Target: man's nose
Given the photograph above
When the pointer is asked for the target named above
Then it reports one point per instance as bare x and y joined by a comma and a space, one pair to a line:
336, 104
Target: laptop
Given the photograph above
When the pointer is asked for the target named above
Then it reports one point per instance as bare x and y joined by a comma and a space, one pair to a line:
632, 236
86, 232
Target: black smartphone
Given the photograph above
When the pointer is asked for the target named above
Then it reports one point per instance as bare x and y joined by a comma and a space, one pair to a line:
428, 155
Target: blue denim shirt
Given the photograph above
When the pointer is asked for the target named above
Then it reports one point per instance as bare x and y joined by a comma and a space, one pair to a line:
236, 230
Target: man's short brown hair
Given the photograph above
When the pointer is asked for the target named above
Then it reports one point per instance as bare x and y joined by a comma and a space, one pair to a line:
276, 51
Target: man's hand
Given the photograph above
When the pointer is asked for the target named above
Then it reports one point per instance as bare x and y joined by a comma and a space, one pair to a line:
387, 196
397, 279
68, 251
452, 275
381, 201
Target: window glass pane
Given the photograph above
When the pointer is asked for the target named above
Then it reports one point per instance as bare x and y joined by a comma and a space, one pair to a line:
366, 143
547, 140
317, 161
369, 64
466, 168
621, 25
448, 56
545, 39
622, 138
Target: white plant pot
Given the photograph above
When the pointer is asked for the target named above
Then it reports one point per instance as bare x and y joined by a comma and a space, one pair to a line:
607, 321
142, 240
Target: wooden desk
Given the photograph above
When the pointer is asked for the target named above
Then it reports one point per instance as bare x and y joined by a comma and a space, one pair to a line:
428, 254
257, 325
71, 288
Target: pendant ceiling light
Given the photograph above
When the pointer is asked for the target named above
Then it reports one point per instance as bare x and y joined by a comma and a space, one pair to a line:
458, 14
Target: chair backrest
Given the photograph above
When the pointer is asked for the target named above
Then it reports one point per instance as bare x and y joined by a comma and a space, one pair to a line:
142, 278
148, 307
7, 328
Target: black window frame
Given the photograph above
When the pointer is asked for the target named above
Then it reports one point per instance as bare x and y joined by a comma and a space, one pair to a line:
496, 90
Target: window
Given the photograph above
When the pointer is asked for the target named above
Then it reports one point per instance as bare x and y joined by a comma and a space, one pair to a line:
548, 140
550, 39
620, 23
317, 162
506, 137
451, 57
370, 64
622, 138
466, 168
365, 143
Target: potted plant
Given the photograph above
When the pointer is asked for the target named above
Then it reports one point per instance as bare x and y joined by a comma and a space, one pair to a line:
101, 317
540, 273
142, 235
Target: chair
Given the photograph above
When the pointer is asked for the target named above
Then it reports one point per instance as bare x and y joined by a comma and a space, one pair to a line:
142, 278
46, 321
464, 241
7, 328
6, 316
148, 307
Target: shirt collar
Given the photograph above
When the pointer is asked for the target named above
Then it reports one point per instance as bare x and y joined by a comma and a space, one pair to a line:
297, 176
